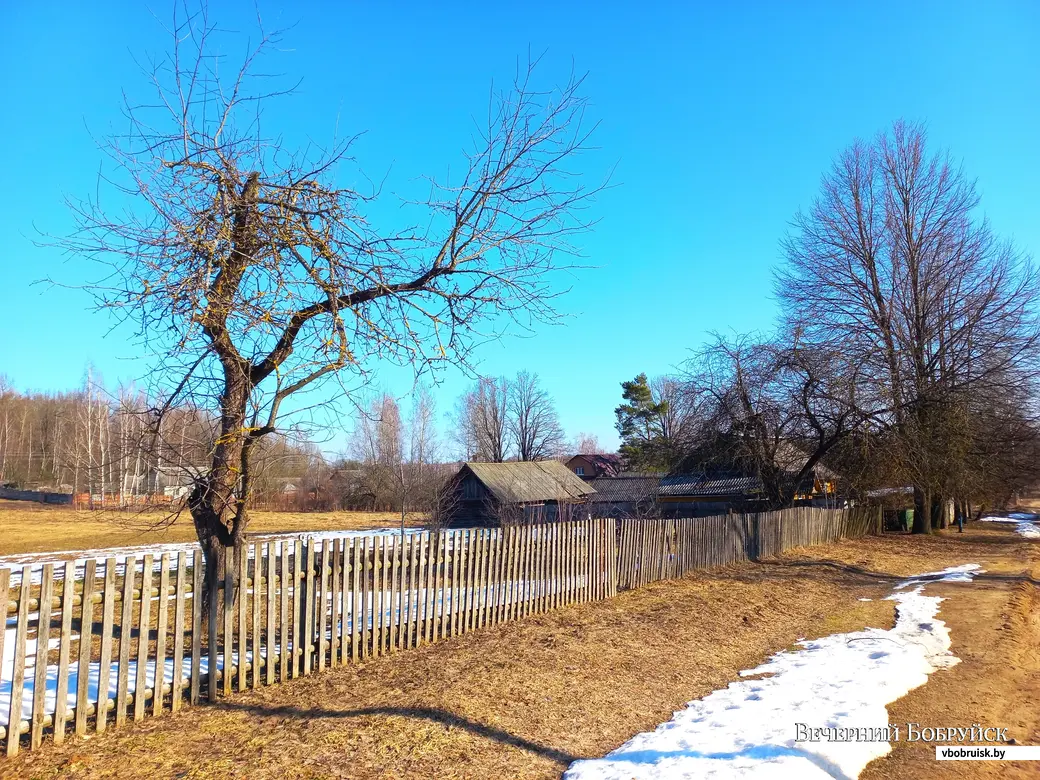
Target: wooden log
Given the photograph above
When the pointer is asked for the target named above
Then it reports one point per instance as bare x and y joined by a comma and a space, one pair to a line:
162, 618
177, 686
86, 630
61, 692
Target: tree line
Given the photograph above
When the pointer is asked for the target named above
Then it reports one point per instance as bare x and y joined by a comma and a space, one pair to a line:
906, 354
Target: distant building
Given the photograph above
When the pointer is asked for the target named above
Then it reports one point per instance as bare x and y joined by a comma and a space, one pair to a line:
714, 493
630, 494
492, 494
592, 466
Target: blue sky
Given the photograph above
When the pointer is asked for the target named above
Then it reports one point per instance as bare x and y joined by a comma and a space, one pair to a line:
719, 118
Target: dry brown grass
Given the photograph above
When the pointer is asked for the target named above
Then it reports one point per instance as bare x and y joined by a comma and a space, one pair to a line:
524, 699
26, 527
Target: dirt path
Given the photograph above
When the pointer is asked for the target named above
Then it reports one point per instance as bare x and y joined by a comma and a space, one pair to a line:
523, 700
995, 630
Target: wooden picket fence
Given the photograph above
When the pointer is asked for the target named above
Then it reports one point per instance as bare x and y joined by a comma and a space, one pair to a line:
149, 645
661, 549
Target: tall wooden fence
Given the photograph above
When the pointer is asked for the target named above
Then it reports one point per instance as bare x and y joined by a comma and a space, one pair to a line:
91, 645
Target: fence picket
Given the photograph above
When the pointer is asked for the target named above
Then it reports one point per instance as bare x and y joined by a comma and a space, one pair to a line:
177, 684
61, 693
86, 629
162, 617
197, 602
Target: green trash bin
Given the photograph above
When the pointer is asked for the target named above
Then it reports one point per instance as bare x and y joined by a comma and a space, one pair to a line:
906, 517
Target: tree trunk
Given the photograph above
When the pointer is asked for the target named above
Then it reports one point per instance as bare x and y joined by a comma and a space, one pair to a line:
922, 511
218, 500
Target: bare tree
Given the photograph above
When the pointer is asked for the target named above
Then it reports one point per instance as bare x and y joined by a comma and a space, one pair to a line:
253, 276
482, 421
892, 267
771, 410
586, 444
533, 421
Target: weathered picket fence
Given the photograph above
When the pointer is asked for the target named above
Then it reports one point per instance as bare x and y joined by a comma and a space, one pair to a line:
91, 644
661, 549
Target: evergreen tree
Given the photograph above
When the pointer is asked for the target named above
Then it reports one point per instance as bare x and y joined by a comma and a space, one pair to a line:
640, 426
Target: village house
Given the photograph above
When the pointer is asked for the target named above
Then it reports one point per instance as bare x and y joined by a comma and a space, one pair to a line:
590, 466
492, 494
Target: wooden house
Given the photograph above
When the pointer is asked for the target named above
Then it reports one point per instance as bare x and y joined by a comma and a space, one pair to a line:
593, 466
491, 494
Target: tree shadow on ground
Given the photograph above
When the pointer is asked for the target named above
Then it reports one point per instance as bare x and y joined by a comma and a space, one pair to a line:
432, 714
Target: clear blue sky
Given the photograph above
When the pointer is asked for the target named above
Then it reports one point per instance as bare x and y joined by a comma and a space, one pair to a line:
719, 117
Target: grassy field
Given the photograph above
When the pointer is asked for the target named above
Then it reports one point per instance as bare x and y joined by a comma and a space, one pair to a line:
524, 699
27, 527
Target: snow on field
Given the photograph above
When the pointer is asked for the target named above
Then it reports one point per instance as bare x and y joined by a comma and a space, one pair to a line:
1026, 523
36, 560
749, 729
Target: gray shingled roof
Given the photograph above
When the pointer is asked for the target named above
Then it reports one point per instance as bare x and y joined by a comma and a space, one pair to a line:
701, 485
531, 481
622, 489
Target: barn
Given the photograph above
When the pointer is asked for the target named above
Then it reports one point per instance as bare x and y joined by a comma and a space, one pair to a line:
492, 494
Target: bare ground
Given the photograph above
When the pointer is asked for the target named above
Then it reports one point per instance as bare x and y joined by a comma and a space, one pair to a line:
523, 700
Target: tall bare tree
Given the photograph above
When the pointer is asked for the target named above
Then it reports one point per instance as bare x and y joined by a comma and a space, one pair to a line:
253, 275
533, 421
893, 267
482, 421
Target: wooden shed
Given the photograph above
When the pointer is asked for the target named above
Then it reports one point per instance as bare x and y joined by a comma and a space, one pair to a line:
491, 494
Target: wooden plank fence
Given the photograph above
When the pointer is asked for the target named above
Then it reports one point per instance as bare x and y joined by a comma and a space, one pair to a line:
146, 645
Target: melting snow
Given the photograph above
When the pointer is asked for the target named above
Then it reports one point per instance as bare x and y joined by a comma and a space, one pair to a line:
843, 680
1025, 523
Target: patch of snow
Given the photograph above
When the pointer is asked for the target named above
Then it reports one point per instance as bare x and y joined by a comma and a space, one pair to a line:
866, 599
844, 680
1025, 523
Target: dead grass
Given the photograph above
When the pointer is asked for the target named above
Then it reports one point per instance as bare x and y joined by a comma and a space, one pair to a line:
523, 700
27, 527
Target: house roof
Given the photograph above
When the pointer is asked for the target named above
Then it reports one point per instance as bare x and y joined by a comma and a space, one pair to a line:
709, 485
607, 463
531, 481
624, 488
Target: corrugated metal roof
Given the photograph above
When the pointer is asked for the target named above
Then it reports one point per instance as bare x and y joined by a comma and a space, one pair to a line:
531, 481
702, 485
623, 489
